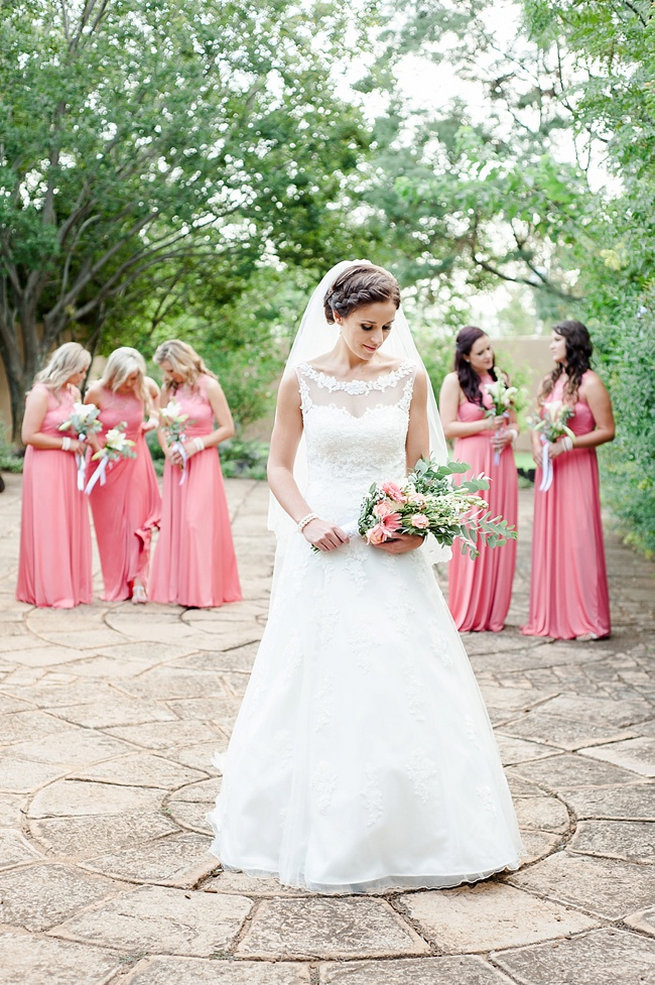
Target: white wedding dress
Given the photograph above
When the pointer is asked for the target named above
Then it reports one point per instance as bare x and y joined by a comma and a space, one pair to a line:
362, 757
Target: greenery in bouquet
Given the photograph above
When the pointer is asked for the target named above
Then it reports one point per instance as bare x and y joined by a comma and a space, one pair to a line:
503, 398
552, 424
428, 502
83, 420
116, 445
173, 421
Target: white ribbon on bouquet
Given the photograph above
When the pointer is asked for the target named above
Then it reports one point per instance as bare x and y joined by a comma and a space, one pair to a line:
546, 468
99, 474
179, 447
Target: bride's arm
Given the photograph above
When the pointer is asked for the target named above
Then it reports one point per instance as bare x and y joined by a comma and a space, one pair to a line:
285, 438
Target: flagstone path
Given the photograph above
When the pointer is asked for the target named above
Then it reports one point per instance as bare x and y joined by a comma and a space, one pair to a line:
111, 714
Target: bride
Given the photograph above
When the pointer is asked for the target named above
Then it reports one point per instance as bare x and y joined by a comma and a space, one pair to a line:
362, 758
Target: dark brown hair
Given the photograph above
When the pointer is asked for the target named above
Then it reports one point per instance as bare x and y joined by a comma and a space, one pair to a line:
579, 348
469, 380
358, 286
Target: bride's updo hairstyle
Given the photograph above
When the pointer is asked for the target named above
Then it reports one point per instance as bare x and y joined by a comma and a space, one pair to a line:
359, 286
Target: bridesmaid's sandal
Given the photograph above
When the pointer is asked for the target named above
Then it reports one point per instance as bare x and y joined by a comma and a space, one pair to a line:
139, 596
587, 638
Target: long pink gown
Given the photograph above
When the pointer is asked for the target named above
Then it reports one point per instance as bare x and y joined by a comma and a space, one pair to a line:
194, 562
54, 565
568, 586
127, 508
479, 591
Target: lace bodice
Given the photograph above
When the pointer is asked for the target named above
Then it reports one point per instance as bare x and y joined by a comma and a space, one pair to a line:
355, 432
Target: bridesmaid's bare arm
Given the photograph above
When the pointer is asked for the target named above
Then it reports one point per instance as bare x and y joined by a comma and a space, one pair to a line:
449, 399
36, 408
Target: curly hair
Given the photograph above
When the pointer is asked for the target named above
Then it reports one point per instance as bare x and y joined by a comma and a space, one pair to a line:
358, 286
469, 380
579, 349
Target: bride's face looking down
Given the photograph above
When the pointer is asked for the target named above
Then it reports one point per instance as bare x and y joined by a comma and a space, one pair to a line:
365, 329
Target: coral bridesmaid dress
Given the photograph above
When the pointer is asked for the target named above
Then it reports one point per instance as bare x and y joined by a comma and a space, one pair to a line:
127, 508
194, 562
479, 591
568, 587
54, 566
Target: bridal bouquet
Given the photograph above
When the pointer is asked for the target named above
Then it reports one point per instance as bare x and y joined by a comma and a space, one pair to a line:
428, 502
116, 446
173, 423
503, 399
82, 422
551, 426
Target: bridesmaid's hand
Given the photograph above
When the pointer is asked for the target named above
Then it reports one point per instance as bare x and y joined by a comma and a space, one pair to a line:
502, 438
173, 455
401, 544
77, 447
149, 425
493, 423
324, 536
555, 448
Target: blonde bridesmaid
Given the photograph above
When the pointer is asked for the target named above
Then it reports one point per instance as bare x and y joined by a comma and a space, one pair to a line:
127, 507
480, 589
569, 597
54, 566
194, 563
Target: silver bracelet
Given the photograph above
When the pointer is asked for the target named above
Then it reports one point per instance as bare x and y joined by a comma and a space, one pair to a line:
66, 443
305, 520
567, 442
199, 444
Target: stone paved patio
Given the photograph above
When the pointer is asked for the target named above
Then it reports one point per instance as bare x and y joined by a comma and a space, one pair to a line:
110, 717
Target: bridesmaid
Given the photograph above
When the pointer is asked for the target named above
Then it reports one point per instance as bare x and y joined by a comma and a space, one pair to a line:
194, 563
569, 597
127, 508
479, 591
54, 566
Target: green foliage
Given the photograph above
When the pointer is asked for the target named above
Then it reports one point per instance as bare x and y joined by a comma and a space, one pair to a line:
147, 147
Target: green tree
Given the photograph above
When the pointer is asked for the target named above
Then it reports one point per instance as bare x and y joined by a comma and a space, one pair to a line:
145, 142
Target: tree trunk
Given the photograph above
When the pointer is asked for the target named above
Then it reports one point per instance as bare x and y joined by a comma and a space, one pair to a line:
21, 362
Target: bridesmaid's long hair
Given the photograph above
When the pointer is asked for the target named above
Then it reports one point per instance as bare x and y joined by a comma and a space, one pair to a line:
579, 348
185, 362
469, 380
69, 359
122, 363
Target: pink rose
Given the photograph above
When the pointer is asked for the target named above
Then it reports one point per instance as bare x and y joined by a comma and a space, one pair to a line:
391, 523
417, 499
394, 492
383, 508
420, 521
377, 534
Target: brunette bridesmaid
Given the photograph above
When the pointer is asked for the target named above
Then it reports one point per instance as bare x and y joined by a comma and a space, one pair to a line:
54, 567
127, 507
569, 597
194, 563
480, 589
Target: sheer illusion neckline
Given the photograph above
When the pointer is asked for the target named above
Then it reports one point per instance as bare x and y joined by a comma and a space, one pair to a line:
356, 386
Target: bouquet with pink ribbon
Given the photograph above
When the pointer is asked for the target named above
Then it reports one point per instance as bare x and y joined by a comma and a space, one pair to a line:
503, 399
428, 503
116, 446
82, 422
551, 426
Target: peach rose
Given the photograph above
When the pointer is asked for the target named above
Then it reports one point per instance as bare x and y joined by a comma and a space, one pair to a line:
376, 535
383, 508
420, 521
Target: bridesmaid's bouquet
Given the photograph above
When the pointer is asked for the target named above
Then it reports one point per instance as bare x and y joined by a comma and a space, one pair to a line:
503, 399
550, 427
428, 502
82, 422
173, 423
116, 446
